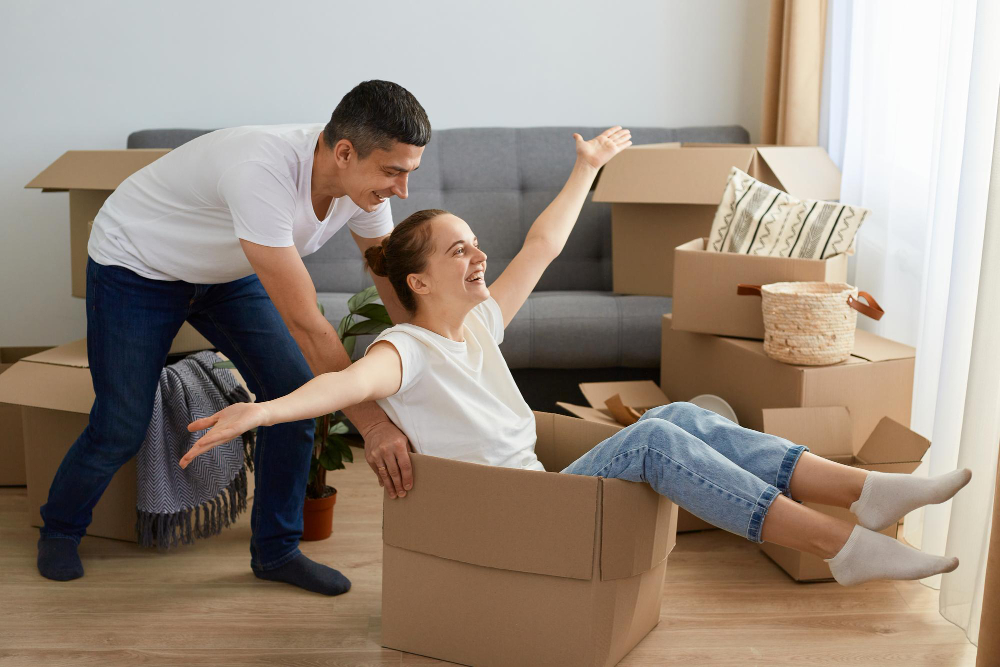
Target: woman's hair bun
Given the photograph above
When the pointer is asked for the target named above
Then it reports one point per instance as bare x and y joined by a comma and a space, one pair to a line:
375, 259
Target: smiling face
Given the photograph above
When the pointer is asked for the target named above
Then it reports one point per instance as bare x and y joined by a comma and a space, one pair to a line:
370, 180
455, 273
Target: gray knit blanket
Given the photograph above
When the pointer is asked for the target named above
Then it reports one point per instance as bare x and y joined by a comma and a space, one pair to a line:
179, 505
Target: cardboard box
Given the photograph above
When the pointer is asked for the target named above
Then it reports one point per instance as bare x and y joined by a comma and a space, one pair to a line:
496, 566
11, 433
891, 447
875, 382
663, 195
54, 393
705, 298
639, 395
90, 177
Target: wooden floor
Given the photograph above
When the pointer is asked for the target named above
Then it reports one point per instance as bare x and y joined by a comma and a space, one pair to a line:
725, 604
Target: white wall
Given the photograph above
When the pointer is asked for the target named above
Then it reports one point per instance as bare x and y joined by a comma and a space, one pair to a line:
82, 75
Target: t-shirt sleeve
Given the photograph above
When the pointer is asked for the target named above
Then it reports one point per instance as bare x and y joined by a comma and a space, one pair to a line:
372, 225
261, 202
490, 315
411, 355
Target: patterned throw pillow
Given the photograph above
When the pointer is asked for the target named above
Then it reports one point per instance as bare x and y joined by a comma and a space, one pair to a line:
756, 219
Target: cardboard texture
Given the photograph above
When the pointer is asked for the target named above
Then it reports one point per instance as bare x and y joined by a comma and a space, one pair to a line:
529, 567
664, 195
875, 382
705, 298
90, 177
891, 447
11, 432
53, 393
639, 395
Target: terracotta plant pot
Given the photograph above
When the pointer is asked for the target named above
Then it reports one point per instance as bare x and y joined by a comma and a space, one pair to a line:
318, 517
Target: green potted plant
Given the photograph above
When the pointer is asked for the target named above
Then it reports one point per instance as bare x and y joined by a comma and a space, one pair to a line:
331, 447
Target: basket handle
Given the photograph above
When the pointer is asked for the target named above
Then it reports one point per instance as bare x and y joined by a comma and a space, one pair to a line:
872, 309
748, 290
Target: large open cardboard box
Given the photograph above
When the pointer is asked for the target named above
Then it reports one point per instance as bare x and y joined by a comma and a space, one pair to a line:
664, 195
891, 447
705, 298
875, 382
90, 177
11, 433
496, 566
640, 395
53, 392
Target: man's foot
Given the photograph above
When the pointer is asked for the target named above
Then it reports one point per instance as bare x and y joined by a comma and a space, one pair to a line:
869, 555
888, 497
308, 574
58, 559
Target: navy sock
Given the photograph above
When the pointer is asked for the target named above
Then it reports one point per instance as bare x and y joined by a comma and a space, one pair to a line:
58, 559
308, 574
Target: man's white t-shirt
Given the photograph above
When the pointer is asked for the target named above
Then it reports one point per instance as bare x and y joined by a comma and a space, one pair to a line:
459, 400
182, 217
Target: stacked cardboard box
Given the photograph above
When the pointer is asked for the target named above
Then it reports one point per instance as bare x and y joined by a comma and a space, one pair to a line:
11, 433
496, 566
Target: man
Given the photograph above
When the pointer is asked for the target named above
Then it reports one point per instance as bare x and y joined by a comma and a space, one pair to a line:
213, 233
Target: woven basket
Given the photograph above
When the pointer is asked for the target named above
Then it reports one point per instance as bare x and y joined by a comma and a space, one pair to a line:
811, 324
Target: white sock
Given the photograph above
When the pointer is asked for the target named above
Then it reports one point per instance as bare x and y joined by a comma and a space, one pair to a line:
868, 555
888, 497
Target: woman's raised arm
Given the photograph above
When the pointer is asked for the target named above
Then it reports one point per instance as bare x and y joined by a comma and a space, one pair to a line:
548, 234
377, 375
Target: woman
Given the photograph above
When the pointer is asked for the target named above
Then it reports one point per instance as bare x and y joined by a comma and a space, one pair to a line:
443, 382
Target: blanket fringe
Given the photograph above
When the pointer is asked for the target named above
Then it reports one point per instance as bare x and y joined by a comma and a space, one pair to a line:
166, 531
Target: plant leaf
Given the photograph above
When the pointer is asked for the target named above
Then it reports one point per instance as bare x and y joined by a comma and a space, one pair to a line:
338, 428
349, 345
366, 327
345, 323
375, 311
224, 364
322, 310
365, 296
330, 459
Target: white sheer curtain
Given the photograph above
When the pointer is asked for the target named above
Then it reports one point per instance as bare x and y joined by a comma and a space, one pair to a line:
910, 110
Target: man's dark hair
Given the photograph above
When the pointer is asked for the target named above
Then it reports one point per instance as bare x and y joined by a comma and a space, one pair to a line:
374, 115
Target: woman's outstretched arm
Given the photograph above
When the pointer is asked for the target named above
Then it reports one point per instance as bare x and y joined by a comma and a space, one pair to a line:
377, 375
548, 234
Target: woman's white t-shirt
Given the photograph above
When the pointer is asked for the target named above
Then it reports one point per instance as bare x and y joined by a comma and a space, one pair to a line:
182, 217
459, 400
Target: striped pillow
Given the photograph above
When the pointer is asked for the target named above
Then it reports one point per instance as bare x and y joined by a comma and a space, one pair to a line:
756, 219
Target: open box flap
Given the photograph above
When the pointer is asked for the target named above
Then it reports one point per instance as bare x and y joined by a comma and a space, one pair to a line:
588, 413
891, 442
71, 354
636, 394
825, 431
806, 172
94, 170
522, 520
49, 386
666, 174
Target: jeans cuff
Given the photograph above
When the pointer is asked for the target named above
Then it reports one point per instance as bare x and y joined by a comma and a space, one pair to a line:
51, 535
756, 526
278, 562
787, 467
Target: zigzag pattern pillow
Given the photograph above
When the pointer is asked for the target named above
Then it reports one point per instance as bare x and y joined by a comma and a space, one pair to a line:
756, 219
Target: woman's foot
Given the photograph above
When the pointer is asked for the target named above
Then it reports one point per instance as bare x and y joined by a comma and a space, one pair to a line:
888, 497
868, 555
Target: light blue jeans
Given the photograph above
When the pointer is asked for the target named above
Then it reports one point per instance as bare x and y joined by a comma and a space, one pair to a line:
718, 471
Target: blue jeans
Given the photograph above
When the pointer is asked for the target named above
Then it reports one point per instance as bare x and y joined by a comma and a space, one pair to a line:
718, 471
131, 322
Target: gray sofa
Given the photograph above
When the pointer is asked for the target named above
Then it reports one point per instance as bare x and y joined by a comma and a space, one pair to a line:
573, 328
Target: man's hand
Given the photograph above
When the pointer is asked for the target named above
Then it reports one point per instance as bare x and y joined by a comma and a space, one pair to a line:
387, 454
603, 147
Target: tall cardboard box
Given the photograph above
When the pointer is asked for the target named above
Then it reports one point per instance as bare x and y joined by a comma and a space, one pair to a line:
891, 447
875, 382
53, 393
664, 195
11, 433
640, 395
90, 177
705, 298
495, 566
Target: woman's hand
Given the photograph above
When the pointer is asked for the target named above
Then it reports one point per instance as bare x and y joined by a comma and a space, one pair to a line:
225, 425
603, 147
